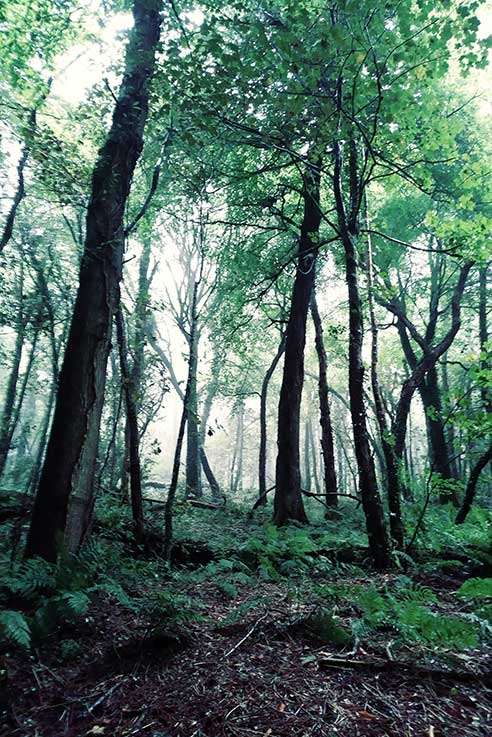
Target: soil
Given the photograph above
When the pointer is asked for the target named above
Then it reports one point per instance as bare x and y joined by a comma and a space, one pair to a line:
258, 676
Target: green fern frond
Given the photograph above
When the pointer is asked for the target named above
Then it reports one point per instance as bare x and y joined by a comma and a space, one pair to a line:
14, 628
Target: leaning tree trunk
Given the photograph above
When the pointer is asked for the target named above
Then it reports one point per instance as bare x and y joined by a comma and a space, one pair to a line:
472, 485
262, 458
288, 503
428, 360
349, 231
327, 443
64, 498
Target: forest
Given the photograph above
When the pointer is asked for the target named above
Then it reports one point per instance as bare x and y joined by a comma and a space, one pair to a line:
246, 368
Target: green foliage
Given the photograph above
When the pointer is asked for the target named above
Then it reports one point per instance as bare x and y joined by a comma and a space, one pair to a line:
281, 550
14, 629
405, 608
171, 609
325, 627
476, 588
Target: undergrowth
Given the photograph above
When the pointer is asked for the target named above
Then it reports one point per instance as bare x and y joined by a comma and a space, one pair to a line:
40, 601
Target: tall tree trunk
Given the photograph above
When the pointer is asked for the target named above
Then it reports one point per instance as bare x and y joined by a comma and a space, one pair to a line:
484, 335
314, 458
212, 387
133, 434
327, 443
63, 501
237, 458
349, 231
390, 466
6, 422
307, 458
14, 421
169, 508
262, 458
208, 403
288, 502
193, 481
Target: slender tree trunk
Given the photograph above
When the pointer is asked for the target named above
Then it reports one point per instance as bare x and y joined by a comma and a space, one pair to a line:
262, 459
327, 443
307, 458
193, 481
14, 421
314, 458
390, 464
64, 497
208, 403
484, 334
6, 422
169, 508
349, 230
125, 465
237, 458
133, 434
288, 502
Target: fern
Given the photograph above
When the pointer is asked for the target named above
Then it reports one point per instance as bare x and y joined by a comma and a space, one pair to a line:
476, 588
29, 578
15, 629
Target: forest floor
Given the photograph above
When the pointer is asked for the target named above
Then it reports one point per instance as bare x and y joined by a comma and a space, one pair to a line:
255, 662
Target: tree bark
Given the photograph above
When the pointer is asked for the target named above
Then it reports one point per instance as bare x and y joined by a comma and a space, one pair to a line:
288, 502
63, 503
327, 443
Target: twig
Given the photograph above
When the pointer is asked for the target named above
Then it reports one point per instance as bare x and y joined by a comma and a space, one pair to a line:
248, 634
104, 696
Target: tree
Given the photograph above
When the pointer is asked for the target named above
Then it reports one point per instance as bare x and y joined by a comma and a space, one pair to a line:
64, 496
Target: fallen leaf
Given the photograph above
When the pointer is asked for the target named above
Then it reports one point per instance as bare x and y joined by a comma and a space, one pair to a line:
367, 715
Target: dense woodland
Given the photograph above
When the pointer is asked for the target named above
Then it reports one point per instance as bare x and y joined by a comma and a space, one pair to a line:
246, 368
